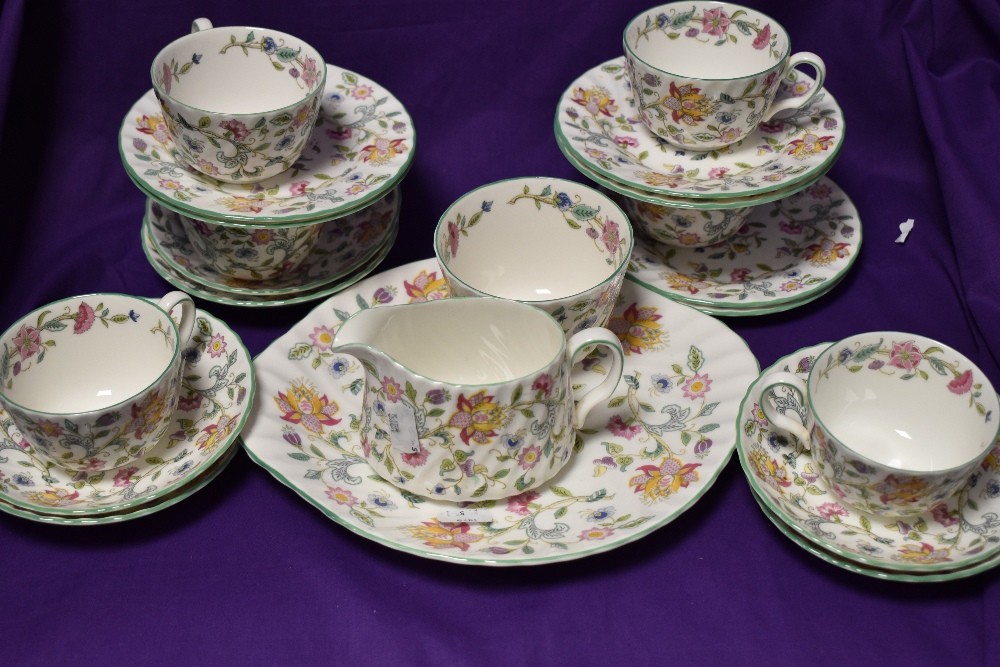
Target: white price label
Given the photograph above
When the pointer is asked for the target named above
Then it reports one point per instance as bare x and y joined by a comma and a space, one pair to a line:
475, 515
402, 428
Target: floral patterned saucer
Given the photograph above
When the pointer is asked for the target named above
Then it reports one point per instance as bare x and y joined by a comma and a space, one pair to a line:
596, 120
361, 147
177, 494
328, 261
215, 400
785, 252
219, 294
871, 570
643, 458
960, 533
621, 190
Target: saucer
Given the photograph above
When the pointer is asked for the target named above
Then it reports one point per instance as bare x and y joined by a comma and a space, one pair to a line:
595, 120
361, 147
216, 396
702, 203
177, 494
218, 294
648, 454
960, 533
335, 255
785, 252
871, 570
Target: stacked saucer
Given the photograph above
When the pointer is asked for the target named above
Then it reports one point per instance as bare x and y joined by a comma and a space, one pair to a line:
304, 234
957, 538
750, 228
216, 395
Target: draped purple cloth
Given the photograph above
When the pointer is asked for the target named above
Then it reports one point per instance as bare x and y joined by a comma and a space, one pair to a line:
245, 572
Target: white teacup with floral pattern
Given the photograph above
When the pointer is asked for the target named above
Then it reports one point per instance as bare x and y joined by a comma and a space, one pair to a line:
704, 74
239, 102
684, 227
547, 242
91, 381
470, 398
896, 423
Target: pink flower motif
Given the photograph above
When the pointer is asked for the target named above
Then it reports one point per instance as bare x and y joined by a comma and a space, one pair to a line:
820, 191
322, 337
791, 226
167, 78
627, 141
519, 504
185, 403
962, 384
357, 189
621, 429
309, 73
418, 459
717, 172
28, 341
453, 238
124, 476
763, 37
298, 188
739, 275
828, 510
362, 92
339, 133
170, 184
791, 286
216, 345
943, 516
391, 388
342, 496
84, 318
543, 383
905, 355
610, 236
697, 386
597, 532
715, 22
529, 457
772, 127
238, 129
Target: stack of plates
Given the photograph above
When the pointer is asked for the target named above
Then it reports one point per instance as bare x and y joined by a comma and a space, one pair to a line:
347, 177
800, 238
958, 538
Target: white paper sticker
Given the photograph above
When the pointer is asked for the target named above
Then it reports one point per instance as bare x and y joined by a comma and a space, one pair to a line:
402, 428
905, 228
469, 515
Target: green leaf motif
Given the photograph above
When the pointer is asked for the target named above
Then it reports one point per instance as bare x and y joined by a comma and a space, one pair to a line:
283, 119
583, 212
286, 54
560, 491
695, 359
300, 351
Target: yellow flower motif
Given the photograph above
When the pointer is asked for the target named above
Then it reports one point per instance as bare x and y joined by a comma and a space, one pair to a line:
680, 281
55, 497
478, 417
596, 100
768, 470
213, 434
638, 329
303, 404
826, 252
444, 535
245, 205
427, 287
658, 482
809, 145
922, 554
668, 180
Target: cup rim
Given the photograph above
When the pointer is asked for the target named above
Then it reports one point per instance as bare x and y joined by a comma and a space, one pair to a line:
178, 347
505, 303
318, 90
631, 54
987, 390
614, 275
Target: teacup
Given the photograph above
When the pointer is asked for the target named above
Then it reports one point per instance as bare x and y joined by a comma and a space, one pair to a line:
896, 423
704, 74
684, 227
91, 381
547, 242
239, 102
470, 398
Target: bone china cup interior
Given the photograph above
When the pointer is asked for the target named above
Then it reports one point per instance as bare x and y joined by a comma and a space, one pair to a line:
471, 398
547, 242
896, 422
684, 227
91, 381
239, 102
704, 74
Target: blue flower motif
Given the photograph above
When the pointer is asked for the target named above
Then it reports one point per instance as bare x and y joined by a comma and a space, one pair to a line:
993, 488
194, 145
487, 206
191, 355
180, 470
380, 408
662, 384
196, 58
844, 355
134, 316
382, 501
338, 367
244, 253
662, 21
681, 221
563, 202
600, 515
512, 441
869, 548
22, 480
726, 117
284, 143
269, 45
439, 490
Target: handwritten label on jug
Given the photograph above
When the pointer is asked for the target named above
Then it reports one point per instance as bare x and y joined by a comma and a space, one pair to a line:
472, 515
402, 428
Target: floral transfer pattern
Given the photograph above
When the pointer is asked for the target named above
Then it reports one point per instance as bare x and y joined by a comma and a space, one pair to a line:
216, 396
783, 251
959, 531
639, 461
598, 121
361, 146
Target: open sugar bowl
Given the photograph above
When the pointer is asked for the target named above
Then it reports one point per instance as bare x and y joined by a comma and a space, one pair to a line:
682, 226
546, 242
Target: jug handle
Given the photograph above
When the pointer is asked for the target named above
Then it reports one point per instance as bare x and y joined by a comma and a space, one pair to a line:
577, 347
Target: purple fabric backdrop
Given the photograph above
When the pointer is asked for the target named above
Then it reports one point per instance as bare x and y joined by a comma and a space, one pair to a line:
245, 572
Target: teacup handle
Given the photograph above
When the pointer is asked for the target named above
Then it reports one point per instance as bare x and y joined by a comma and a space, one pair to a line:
801, 58
188, 313
782, 420
583, 342
200, 24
